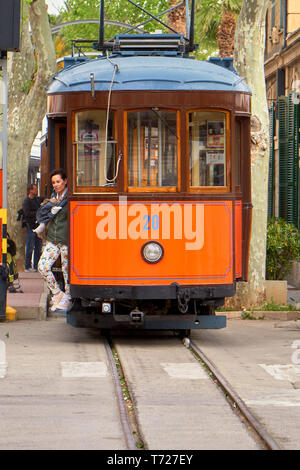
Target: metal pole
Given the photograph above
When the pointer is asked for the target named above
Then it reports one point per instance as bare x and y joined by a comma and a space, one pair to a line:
192, 26
101, 27
3, 165
3, 64
187, 18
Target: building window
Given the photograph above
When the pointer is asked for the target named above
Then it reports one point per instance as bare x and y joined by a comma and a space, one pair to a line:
273, 14
282, 13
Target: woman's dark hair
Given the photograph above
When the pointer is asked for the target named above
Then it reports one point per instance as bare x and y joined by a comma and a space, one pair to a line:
59, 172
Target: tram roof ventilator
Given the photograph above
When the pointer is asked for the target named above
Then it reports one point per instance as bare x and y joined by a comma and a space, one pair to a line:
149, 44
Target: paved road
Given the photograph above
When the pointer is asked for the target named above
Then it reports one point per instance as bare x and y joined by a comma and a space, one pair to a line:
178, 406
261, 360
56, 391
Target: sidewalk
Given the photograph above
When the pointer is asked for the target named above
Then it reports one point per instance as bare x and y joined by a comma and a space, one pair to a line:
293, 295
292, 299
31, 304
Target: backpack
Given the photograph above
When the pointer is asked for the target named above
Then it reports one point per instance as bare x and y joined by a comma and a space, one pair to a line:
21, 218
11, 246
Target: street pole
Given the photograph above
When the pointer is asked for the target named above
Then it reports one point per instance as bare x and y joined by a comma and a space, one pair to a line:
10, 20
3, 172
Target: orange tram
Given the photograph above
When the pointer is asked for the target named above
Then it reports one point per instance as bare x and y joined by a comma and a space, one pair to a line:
156, 147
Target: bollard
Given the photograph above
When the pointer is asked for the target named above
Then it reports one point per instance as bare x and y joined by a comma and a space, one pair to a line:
3, 291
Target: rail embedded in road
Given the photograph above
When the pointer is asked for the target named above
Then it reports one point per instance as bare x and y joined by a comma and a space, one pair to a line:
237, 403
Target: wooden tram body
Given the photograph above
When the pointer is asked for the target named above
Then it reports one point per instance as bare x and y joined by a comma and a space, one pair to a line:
157, 150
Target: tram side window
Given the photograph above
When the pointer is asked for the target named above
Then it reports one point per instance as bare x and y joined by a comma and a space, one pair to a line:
152, 148
95, 154
238, 133
207, 145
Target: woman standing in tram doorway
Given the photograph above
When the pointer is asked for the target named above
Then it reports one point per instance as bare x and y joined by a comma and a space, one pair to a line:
57, 244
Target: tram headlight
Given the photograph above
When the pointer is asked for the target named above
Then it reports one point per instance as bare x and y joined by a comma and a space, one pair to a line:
152, 252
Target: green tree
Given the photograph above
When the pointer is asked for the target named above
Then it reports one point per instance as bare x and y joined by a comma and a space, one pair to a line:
30, 71
215, 23
283, 247
117, 10
249, 62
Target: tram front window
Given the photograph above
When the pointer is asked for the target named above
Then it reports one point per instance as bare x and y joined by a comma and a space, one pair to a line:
95, 148
152, 141
207, 144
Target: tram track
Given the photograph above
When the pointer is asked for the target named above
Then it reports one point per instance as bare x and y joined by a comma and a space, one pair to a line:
128, 419
132, 430
235, 401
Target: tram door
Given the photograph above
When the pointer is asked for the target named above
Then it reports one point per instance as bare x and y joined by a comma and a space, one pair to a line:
54, 152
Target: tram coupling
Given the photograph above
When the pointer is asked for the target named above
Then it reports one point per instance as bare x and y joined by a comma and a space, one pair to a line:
137, 316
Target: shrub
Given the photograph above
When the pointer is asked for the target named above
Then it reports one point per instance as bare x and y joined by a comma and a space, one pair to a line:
283, 247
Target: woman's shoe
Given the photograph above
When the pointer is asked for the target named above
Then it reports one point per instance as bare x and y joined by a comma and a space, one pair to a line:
56, 300
65, 303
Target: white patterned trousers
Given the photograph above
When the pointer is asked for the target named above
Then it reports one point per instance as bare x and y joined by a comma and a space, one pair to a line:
50, 254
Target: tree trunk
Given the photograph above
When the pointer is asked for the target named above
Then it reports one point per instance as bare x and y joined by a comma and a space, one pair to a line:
30, 71
225, 34
249, 62
176, 17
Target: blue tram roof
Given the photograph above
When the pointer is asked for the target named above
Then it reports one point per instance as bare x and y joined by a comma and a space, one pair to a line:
148, 73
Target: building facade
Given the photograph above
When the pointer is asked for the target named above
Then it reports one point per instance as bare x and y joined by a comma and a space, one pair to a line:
282, 72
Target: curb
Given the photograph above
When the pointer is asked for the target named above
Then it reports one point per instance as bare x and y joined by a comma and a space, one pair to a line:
260, 315
42, 309
36, 311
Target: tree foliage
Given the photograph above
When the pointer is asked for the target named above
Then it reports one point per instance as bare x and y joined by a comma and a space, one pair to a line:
208, 17
30, 71
283, 246
117, 10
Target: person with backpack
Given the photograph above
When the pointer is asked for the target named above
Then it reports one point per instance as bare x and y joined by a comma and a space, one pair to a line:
33, 244
57, 244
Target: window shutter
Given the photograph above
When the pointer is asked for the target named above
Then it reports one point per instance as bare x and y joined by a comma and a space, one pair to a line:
283, 176
293, 145
272, 124
288, 159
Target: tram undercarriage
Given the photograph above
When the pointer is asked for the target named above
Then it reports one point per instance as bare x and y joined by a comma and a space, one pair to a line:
149, 307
